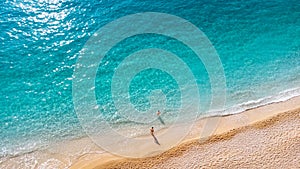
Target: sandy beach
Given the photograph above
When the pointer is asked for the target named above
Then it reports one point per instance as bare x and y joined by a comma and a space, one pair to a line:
268, 136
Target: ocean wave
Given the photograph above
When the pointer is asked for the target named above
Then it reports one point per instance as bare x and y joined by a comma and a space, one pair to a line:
280, 97
139, 130
252, 104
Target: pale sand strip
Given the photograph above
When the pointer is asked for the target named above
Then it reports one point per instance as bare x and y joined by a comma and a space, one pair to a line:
268, 135
83, 153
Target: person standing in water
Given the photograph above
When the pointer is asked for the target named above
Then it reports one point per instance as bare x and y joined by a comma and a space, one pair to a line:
159, 118
158, 113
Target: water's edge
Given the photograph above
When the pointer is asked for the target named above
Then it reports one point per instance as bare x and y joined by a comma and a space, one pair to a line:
83, 145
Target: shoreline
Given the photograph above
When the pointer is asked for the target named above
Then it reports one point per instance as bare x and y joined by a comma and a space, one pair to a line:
229, 126
274, 151
83, 153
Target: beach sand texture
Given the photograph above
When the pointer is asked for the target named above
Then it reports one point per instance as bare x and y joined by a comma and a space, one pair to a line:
265, 137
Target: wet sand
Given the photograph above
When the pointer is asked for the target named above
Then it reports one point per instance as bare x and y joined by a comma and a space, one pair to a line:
268, 136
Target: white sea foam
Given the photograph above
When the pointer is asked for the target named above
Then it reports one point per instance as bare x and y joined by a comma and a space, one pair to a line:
251, 104
25, 151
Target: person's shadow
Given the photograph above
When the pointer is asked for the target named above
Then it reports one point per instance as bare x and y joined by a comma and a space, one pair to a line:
161, 120
155, 140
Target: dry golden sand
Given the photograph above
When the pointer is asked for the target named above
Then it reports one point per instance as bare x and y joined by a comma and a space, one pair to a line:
274, 143
266, 137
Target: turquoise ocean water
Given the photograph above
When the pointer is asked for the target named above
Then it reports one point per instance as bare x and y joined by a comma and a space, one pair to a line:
258, 43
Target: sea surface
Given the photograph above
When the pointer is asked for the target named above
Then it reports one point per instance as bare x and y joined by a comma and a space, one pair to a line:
258, 43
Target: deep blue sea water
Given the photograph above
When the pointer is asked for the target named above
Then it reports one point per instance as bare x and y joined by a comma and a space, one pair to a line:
258, 43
